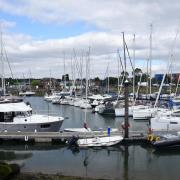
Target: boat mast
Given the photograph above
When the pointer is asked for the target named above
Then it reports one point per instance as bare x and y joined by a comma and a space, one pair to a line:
2, 66
150, 59
134, 39
108, 78
50, 80
64, 72
118, 77
86, 76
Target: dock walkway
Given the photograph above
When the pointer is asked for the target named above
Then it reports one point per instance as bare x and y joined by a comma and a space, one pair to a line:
63, 136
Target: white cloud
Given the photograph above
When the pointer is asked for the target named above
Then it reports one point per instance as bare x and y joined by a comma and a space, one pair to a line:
109, 17
6, 24
26, 53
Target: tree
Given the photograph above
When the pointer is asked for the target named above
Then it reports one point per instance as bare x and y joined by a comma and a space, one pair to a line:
35, 82
124, 73
137, 72
65, 77
97, 81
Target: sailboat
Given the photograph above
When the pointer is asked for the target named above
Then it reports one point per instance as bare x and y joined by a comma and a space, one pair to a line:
96, 141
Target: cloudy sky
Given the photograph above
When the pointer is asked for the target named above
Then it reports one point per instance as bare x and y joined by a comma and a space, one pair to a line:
39, 36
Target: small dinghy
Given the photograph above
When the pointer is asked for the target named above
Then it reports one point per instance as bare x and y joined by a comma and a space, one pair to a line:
166, 141
99, 141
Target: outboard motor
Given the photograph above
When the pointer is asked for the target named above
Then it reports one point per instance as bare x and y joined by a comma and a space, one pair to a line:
72, 141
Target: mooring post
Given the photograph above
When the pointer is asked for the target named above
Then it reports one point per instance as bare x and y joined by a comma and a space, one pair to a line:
126, 119
126, 94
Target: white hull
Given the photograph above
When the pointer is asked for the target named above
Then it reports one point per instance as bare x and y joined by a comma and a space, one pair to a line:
144, 114
27, 93
33, 123
120, 112
80, 130
99, 107
17, 116
99, 141
165, 123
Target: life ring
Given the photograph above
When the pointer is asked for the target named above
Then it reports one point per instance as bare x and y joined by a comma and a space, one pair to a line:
157, 138
123, 125
150, 137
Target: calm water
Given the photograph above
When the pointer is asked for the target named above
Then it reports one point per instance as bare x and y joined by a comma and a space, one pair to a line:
133, 162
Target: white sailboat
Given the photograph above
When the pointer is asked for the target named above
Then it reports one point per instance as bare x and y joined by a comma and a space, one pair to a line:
96, 141
166, 122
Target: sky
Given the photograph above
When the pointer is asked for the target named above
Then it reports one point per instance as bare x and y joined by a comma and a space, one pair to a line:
49, 38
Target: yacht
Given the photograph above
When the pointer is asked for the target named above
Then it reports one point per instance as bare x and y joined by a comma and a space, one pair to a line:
17, 116
27, 93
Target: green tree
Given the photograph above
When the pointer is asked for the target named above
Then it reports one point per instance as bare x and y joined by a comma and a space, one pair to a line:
35, 82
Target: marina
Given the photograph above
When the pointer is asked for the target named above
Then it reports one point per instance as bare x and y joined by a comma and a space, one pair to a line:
89, 90
49, 152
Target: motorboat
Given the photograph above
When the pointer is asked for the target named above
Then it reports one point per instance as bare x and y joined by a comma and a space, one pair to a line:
120, 112
27, 93
166, 141
162, 123
51, 97
85, 105
17, 116
99, 108
143, 112
108, 109
99, 141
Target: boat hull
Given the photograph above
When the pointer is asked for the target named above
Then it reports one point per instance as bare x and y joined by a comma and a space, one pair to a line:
32, 127
167, 144
99, 141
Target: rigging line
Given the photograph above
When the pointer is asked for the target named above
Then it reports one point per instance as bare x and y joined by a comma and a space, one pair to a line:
172, 50
7, 59
129, 56
168, 68
76, 62
120, 60
177, 86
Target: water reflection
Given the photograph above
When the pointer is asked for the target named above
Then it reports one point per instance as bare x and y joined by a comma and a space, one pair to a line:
11, 155
120, 162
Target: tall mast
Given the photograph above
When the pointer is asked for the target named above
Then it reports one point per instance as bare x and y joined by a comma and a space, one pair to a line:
118, 73
50, 82
108, 78
64, 72
150, 59
2, 64
87, 71
134, 39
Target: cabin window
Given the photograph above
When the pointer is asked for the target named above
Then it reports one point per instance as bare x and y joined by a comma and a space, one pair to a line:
45, 125
1, 117
20, 114
8, 117
173, 122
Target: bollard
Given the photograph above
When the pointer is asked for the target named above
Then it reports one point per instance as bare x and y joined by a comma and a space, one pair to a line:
109, 131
